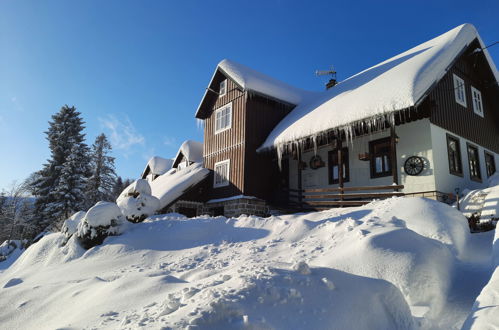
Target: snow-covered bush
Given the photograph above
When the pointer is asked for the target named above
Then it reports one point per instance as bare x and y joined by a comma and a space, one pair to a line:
70, 225
136, 202
102, 220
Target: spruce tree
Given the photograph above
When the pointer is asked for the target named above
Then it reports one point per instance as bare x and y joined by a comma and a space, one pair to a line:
59, 185
103, 177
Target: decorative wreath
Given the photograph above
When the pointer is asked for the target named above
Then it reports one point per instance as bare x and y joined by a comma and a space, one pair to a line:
414, 165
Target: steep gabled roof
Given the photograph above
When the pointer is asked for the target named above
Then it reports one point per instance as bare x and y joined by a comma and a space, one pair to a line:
191, 150
253, 81
374, 94
157, 165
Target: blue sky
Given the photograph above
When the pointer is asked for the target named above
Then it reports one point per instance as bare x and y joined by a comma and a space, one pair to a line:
137, 70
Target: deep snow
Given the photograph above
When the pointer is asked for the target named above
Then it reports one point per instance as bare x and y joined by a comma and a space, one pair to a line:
368, 267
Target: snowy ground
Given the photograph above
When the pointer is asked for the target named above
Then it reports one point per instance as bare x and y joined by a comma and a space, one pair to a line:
396, 264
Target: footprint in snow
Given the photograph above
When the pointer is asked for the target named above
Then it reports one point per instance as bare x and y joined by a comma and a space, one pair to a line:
13, 282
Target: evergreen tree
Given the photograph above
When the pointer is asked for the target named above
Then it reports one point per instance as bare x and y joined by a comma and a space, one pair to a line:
102, 181
59, 185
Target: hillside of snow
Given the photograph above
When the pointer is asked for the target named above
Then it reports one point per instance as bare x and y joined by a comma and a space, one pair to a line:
402, 263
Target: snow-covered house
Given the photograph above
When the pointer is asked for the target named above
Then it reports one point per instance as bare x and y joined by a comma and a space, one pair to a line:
426, 120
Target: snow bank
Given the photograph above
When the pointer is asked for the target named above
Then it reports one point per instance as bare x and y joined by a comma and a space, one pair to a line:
482, 201
485, 311
70, 225
171, 185
373, 94
10, 250
362, 268
102, 220
136, 202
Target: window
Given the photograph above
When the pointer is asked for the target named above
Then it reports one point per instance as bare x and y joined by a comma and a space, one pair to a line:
454, 153
222, 173
477, 101
490, 164
334, 168
459, 91
223, 88
474, 163
223, 118
380, 152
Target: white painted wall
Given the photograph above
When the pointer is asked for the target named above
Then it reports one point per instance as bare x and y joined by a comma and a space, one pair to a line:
447, 182
414, 139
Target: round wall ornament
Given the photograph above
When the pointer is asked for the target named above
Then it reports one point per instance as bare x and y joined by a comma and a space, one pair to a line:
414, 165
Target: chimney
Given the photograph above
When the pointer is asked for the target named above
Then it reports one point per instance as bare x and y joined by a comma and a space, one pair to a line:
331, 83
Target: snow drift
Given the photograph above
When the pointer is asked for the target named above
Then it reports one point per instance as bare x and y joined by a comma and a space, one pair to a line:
385, 265
136, 202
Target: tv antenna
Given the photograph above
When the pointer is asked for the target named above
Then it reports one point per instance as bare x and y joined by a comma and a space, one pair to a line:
332, 82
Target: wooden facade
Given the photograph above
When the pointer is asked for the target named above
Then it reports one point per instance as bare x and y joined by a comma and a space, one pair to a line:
253, 118
448, 114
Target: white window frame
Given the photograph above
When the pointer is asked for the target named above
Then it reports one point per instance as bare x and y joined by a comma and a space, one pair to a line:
220, 129
224, 82
459, 90
216, 174
476, 98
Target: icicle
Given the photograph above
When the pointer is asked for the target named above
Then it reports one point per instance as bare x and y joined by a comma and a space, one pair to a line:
314, 140
200, 123
279, 156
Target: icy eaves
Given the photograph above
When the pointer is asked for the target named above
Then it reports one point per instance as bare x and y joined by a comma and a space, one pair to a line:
376, 93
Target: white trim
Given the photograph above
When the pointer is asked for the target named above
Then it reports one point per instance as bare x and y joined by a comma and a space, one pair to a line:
220, 87
459, 87
226, 182
480, 100
228, 105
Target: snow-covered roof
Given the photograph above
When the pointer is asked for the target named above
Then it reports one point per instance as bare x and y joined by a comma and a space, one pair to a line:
158, 165
192, 150
256, 82
397, 83
174, 183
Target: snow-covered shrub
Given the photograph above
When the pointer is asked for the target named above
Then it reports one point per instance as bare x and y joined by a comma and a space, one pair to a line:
102, 220
136, 202
70, 225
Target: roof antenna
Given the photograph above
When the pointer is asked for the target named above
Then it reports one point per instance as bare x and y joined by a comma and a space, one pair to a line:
332, 82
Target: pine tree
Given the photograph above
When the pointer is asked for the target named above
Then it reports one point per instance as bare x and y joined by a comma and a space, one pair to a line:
58, 186
102, 181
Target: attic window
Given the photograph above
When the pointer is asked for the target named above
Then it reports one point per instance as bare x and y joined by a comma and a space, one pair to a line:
222, 174
223, 118
223, 88
477, 101
459, 90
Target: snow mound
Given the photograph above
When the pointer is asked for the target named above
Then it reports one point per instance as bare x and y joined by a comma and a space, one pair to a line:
70, 225
493, 180
136, 202
364, 268
102, 220
174, 183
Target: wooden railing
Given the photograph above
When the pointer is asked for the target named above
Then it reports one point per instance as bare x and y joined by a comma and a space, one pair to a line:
320, 198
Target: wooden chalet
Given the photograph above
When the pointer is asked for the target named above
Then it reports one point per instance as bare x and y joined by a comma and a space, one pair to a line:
423, 123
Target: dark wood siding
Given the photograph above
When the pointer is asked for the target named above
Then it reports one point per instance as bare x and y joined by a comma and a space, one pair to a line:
228, 144
462, 121
260, 172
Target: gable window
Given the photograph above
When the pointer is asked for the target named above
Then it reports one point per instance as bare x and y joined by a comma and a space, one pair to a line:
222, 173
454, 153
334, 167
459, 90
223, 118
223, 88
477, 101
490, 164
474, 163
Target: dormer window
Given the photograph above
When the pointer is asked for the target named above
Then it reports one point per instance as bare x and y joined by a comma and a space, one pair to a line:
459, 91
223, 88
477, 101
223, 118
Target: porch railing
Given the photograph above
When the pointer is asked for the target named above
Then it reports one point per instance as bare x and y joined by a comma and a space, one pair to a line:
320, 198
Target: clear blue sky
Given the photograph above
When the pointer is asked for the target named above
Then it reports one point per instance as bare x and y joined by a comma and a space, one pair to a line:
137, 70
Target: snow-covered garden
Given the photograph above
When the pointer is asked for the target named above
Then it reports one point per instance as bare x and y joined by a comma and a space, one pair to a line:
402, 263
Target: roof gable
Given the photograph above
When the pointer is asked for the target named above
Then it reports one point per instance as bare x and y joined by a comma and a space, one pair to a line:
251, 81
